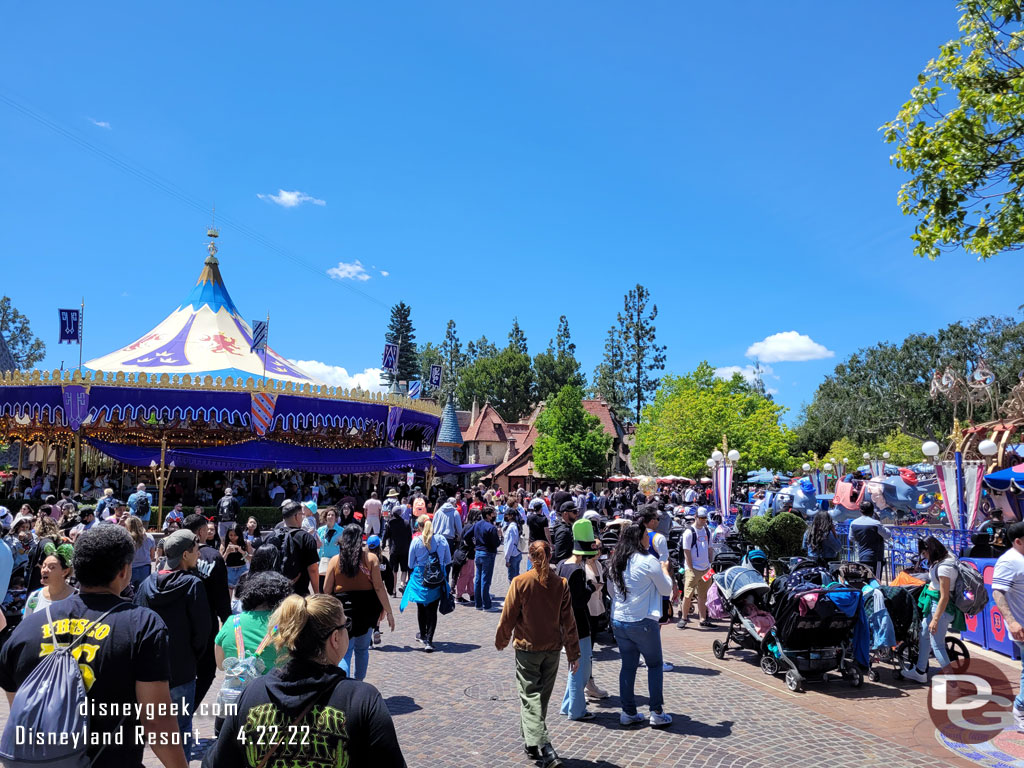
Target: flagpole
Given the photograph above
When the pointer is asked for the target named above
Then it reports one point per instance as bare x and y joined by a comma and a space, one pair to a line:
265, 348
81, 320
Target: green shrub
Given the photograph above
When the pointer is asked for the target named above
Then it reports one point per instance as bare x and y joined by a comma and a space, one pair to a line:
779, 535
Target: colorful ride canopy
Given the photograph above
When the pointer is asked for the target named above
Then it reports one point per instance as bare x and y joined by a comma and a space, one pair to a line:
206, 335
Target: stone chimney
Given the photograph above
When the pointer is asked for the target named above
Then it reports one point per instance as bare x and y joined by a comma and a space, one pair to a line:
474, 414
512, 450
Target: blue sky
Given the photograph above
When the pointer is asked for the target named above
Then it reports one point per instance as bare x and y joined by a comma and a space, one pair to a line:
493, 159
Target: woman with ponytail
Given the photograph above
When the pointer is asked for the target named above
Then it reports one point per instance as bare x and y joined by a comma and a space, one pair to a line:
55, 571
428, 554
538, 613
308, 696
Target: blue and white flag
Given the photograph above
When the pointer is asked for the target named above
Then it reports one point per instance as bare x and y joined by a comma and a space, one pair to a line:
260, 331
414, 390
435, 377
390, 362
70, 326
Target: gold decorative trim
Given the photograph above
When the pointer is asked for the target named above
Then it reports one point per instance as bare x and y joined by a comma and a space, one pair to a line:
211, 384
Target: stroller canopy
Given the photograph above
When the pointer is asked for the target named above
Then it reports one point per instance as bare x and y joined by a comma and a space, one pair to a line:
741, 580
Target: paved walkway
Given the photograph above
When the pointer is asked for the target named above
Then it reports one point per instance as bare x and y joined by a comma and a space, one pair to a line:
459, 707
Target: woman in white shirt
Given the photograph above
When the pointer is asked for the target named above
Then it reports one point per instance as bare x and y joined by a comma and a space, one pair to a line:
638, 583
513, 553
54, 571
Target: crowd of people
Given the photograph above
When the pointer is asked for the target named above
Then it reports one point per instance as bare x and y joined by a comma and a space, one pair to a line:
291, 614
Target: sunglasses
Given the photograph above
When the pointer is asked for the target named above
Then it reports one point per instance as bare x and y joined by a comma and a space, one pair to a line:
347, 626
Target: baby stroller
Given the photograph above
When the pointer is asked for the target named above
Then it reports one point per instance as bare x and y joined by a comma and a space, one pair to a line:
813, 632
742, 590
904, 655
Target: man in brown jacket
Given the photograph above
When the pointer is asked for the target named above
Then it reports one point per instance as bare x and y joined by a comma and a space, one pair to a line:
539, 613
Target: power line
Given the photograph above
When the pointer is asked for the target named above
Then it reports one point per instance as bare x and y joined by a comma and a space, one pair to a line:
153, 179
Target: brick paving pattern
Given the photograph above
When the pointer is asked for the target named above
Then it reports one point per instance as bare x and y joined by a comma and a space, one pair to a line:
459, 707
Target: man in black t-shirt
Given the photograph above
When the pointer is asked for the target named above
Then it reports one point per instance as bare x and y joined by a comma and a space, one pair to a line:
561, 534
228, 512
537, 522
300, 560
124, 660
560, 496
213, 572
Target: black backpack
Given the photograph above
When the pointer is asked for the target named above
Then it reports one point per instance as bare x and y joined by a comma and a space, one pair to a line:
433, 573
142, 506
289, 565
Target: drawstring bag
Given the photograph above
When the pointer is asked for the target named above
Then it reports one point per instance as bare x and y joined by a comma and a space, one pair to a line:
241, 669
716, 608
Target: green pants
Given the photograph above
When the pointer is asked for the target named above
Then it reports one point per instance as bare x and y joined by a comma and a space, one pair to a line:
535, 673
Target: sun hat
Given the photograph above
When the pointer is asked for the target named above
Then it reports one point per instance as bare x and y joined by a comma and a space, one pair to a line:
393, 493
583, 538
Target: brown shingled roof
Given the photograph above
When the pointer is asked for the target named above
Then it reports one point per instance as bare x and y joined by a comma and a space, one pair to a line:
488, 427
603, 412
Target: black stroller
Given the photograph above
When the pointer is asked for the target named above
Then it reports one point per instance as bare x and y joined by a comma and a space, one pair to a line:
743, 591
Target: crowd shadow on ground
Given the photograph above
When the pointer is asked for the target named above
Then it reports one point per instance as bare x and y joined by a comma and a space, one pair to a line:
401, 705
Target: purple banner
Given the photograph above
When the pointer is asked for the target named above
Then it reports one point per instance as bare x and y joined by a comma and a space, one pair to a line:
76, 405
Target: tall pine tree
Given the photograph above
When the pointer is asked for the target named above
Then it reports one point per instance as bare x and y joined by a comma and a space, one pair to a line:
641, 355
401, 332
429, 354
557, 367
609, 384
453, 360
516, 337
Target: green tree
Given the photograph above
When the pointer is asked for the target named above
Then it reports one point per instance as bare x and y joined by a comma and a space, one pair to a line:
453, 359
961, 137
690, 413
571, 444
401, 332
25, 347
516, 337
482, 347
641, 355
885, 388
429, 355
557, 366
608, 376
504, 380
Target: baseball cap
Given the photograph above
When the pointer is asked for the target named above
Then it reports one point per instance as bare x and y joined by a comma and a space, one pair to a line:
310, 505
177, 544
373, 542
702, 512
537, 504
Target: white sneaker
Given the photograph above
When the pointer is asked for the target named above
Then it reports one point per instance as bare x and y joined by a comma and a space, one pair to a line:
1018, 718
660, 720
625, 719
914, 674
418, 638
376, 637
666, 667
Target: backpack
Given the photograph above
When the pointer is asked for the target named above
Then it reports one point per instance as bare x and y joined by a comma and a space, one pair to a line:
142, 506
242, 668
969, 594
52, 699
288, 566
433, 573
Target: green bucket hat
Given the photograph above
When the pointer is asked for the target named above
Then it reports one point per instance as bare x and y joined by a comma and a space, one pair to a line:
583, 538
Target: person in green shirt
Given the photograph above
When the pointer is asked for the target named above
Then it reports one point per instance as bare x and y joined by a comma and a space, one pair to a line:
260, 595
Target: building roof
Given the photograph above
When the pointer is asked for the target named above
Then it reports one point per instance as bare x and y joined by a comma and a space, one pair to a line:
489, 427
524, 455
465, 419
604, 414
205, 335
448, 433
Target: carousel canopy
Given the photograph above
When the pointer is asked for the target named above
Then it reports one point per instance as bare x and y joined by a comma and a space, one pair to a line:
270, 455
1011, 478
205, 335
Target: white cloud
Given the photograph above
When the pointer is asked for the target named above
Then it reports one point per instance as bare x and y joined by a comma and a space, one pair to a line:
746, 371
346, 271
788, 347
384, 273
291, 199
100, 123
337, 376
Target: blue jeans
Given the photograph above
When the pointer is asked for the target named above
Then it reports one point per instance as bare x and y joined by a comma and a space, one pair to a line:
513, 564
360, 648
482, 579
573, 703
936, 641
139, 574
183, 697
635, 639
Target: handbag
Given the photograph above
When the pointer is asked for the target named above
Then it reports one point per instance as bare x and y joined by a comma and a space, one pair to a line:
447, 603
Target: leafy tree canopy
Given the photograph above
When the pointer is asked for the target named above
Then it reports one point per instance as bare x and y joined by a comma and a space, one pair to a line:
961, 137
557, 366
505, 380
690, 413
25, 347
571, 445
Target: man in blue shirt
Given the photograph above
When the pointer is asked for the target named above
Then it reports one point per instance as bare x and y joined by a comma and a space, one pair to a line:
141, 503
486, 540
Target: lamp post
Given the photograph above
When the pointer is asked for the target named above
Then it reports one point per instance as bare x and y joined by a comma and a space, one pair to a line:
161, 474
722, 466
